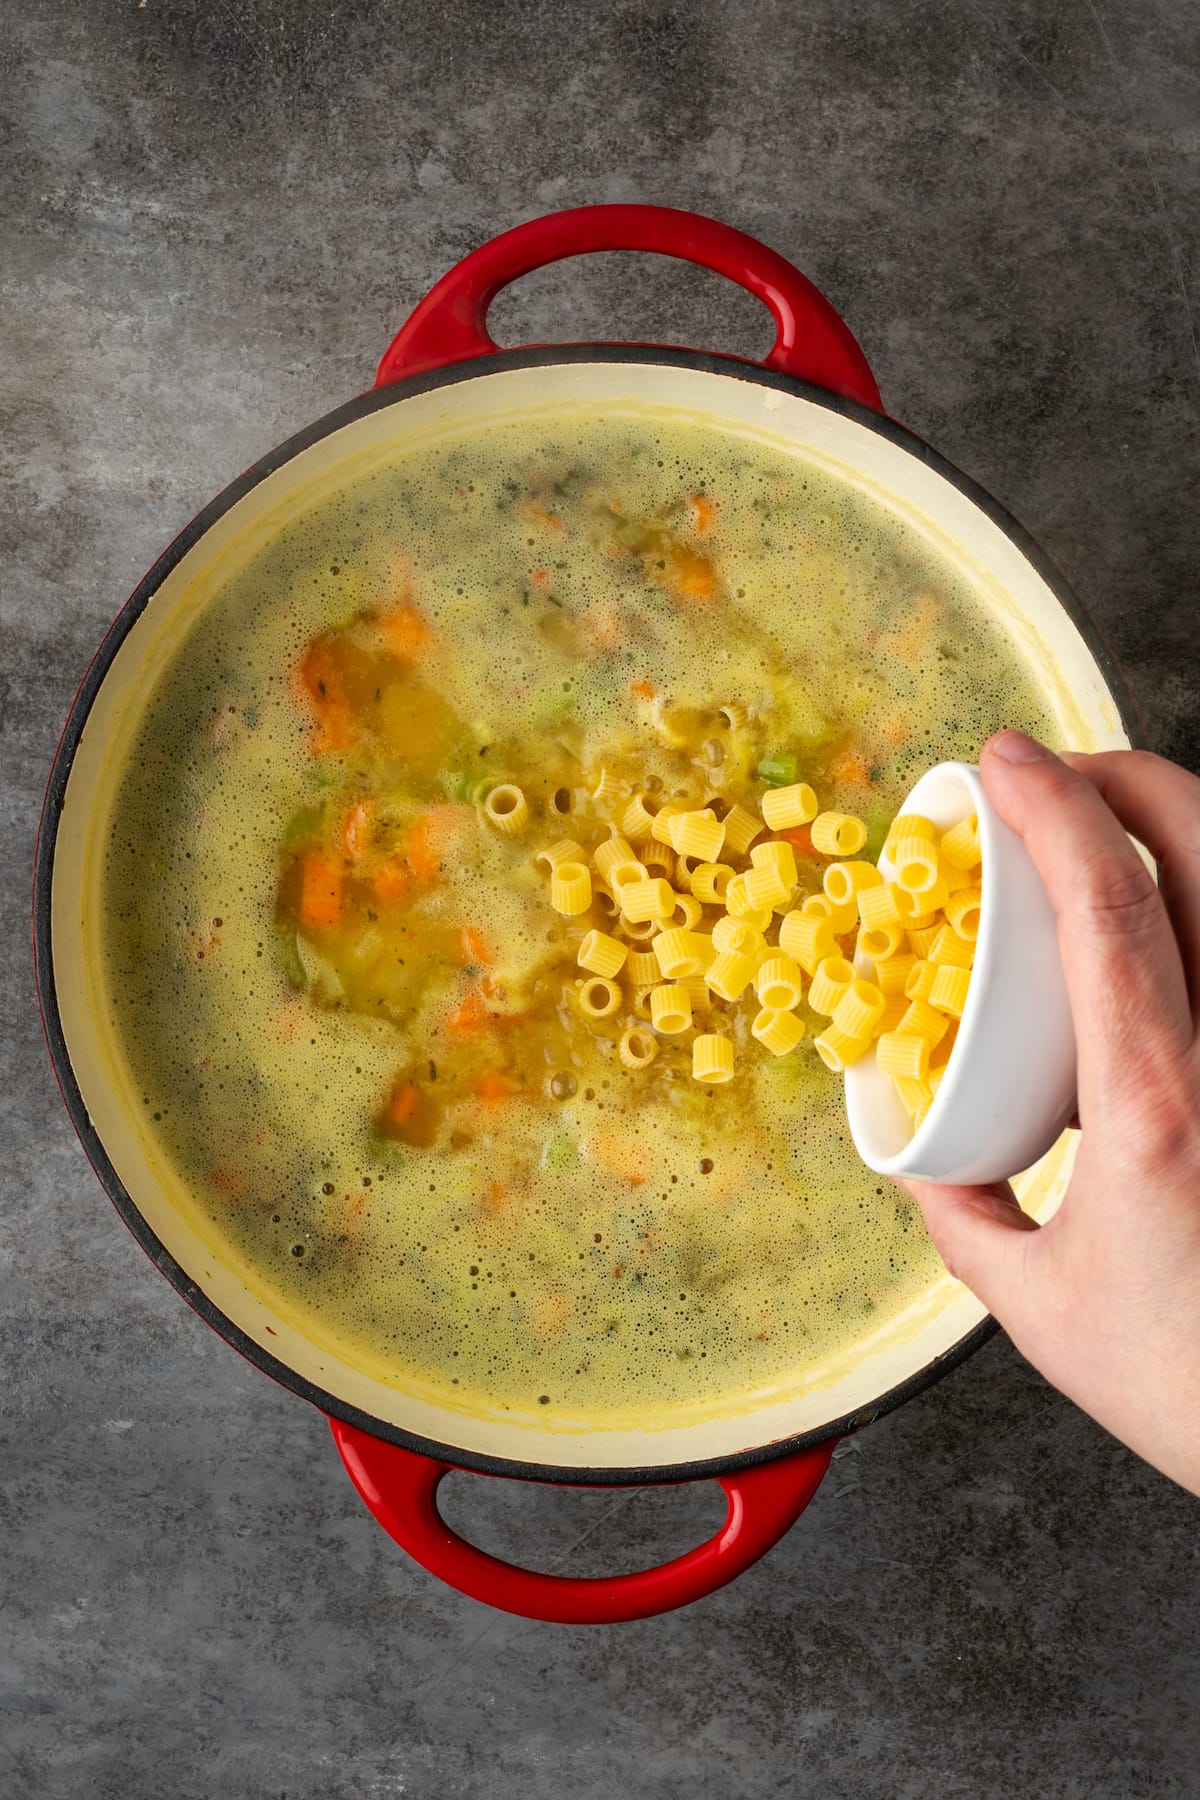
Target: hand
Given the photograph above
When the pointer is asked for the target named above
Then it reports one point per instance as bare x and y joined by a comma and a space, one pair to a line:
1105, 1298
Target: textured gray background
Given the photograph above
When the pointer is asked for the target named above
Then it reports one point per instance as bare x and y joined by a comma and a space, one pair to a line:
214, 214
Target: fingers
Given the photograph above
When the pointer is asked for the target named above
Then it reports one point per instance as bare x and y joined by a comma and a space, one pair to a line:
1123, 967
1160, 804
982, 1236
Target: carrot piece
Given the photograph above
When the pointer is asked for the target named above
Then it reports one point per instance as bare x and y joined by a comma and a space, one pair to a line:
494, 1197
644, 688
476, 948
799, 837
356, 828
433, 838
703, 511
407, 634
469, 1015
694, 579
320, 892
540, 578
494, 1087
321, 690
403, 1103
391, 883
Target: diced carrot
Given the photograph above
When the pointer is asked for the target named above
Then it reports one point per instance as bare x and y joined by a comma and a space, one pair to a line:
538, 513
540, 578
411, 1115
694, 579
494, 1087
356, 828
799, 837
434, 836
850, 768
476, 948
391, 883
320, 892
469, 1015
494, 1197
403, 1103
407, 634
320, 688
703, 512
643, 688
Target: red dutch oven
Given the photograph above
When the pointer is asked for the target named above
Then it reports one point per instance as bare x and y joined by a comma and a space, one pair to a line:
815, 395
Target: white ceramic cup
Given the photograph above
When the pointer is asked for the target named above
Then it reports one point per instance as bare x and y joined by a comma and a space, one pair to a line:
1009, 1086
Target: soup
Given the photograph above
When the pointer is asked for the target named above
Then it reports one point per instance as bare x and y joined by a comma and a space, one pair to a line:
350, 1010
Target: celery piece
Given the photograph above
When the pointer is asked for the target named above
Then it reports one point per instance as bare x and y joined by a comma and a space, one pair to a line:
777, 770
302, 828
559, 1153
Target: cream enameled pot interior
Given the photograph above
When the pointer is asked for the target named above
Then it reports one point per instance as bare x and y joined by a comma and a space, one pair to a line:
888, 472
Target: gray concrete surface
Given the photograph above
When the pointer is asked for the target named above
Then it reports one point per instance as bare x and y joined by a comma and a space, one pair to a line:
214, 214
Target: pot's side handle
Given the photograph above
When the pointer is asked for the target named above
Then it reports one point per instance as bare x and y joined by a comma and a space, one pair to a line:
812, 341
400, 1489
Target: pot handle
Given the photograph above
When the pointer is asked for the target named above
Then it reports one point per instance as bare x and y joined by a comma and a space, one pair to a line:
400, 1488
812, 341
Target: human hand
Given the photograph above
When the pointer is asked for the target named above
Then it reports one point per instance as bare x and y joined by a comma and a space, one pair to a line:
1104, 1299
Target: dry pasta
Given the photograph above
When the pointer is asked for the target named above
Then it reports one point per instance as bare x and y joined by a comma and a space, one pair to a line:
807, 939
637, 818
838, 834
601, 954
506, 808
963, 911
647, 899
611, 854
764, 888
787, 806
859, 1010
670, 1008
566, 850
637, 1048
779, 855
837, 1051
734, 934
710, 881
892, 972
643, 968
778, 984
712, 1058
570, 888
730, 974
949, 990
830, 981
846, 881
741, 829
880, 942
599, 998
779, 1032
678, 952
697, 834
960, 845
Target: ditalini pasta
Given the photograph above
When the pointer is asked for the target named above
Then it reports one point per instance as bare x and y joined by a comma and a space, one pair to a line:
686, 910
506, 808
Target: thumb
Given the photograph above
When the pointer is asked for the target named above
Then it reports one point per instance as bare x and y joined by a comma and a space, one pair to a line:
982, 1236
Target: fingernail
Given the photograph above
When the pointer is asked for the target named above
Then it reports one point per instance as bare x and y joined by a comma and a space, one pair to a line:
1015, 747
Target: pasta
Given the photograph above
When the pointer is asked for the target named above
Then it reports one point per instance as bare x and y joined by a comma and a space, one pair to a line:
601, 954
730, 974
697, 988
506, 808
776, 854
712, 1058
901, 1054
764, 888
638, 818
659, 856
787, 806
960, 846
949, 990
859, 1010
566, 850
639, 931
570, 888
830, 981
778, 984
688, 910
842, 918
710, 880
599, 998
845, 881
963, 912
646, 899
734, 934
779, 1032
838, 834
643, 968
807, 939
892, 972
606, 787
915, 1095
637, 1048
679, 952
948, 947
916, 864
670, 1008
741, 829
739, 904
923, 1020
660, 825
877, 906
610, 856
922, 939
697, 834
919, 983
837, 1051
894, 1008
880, 942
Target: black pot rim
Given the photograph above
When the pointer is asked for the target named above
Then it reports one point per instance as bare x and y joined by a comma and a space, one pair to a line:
373, 401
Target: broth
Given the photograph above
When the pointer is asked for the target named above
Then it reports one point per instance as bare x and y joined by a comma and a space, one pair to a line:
542, 1229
